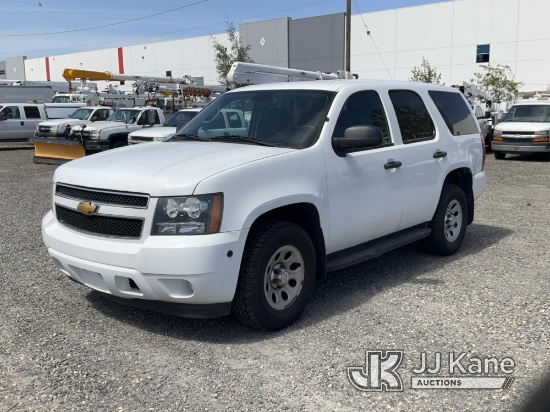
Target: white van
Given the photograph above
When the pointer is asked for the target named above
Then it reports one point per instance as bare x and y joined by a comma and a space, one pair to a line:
524, 130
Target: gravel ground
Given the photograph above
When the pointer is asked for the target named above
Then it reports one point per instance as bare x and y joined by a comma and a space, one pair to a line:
64, 347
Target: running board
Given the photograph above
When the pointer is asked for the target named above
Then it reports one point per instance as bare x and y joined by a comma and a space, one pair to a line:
375, 248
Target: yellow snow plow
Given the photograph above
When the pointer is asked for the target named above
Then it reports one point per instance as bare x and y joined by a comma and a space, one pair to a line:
56, 151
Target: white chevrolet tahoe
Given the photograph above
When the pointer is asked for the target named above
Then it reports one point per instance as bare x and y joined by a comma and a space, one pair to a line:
244, 219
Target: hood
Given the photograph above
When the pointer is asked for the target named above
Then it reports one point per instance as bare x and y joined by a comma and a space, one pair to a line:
522, 126
163, 131
57, 122
160, 168
101, 125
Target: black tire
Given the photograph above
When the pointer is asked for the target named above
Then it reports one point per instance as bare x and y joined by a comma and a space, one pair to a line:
118, 143
499, 155
449, 222
291, 275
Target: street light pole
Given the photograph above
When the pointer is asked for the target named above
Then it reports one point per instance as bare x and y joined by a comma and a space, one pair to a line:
348, 35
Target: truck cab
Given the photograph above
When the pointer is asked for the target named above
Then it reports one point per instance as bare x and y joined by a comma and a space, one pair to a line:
18, 120
62, 127
114, 131
166, 131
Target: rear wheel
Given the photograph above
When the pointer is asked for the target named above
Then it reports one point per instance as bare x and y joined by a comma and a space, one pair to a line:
499, 155
449, 222
276, 277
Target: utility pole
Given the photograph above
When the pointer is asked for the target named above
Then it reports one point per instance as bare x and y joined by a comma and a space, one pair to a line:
348, 35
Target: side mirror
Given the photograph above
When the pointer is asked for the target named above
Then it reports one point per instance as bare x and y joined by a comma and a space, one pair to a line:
3, 117
487, 114
93, 118
357, 138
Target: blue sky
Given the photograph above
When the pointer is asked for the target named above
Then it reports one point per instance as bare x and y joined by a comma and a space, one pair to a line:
55, 27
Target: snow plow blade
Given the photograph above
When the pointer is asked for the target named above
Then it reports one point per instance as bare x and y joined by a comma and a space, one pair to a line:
56, 151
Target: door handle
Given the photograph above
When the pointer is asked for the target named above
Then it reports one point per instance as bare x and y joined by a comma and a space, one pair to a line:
392, 164
439, 154
22, 123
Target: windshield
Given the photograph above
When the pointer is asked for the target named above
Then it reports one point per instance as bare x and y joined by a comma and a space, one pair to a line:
536, 113
124, 115
61, 99
285, 118
81, 114
178, 119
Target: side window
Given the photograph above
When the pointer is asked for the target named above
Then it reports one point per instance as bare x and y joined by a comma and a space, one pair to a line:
157, 118
414, 120
479, 112
31, 112
234, 120
11, 112
103, 114
455, 112
363, 109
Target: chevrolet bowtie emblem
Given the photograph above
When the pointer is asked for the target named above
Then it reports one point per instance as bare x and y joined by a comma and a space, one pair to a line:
87, 208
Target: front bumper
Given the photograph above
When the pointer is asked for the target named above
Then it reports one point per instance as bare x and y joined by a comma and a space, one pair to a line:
478, 184
183, 275
96, 145
520, 147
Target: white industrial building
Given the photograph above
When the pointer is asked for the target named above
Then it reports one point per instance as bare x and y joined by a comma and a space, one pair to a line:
456, 37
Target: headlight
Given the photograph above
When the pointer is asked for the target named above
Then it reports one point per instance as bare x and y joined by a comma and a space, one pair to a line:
193, 215
94, 134
541, 133
53, 129
497, 133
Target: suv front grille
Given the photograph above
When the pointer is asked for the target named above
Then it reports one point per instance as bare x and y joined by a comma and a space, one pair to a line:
44, 129
106, 197
100, 225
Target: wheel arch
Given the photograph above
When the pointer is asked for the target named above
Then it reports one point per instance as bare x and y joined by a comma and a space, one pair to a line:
306, 216
462, 177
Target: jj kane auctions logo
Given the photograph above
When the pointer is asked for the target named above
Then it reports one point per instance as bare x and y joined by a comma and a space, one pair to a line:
380, 372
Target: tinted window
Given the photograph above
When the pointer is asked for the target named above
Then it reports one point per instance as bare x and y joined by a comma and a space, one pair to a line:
483, 53
363, 109
455, 112
32, 112
413, 117
528, 113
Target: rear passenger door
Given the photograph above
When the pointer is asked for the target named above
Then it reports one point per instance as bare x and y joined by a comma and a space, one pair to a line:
10, 123
424, 154
365, 186
32, 118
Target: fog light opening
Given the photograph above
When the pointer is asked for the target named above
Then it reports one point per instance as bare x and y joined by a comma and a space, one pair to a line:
132, 284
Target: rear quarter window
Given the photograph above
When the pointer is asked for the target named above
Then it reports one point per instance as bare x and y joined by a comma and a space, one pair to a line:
32, 112
455, 113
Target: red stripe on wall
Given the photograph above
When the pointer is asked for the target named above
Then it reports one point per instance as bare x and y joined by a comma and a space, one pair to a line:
120, 61
48, 68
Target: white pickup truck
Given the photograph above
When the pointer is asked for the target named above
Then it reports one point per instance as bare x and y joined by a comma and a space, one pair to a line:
167, 129
244, 219
18, 121
114, 131
57, 128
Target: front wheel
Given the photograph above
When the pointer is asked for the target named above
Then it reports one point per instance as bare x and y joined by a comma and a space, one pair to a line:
499, 155
449, 222
276, 277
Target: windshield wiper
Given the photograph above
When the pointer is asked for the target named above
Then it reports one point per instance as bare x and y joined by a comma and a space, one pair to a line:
239, 138
188, 136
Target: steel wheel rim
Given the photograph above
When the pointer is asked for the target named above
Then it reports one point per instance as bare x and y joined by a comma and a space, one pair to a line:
453, 220
284, 277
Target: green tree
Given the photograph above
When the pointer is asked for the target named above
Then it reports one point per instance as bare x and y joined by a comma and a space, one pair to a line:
425, 73
224, 57
498, 82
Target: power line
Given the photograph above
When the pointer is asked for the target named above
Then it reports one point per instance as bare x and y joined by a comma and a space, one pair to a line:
372, 38
104, 25
166, 33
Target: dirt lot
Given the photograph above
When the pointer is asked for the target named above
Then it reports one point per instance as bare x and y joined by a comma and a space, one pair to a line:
64, 347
